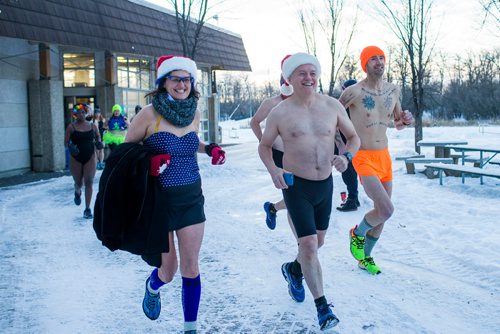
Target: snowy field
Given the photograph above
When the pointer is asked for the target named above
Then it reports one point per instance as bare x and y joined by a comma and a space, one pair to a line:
439, 255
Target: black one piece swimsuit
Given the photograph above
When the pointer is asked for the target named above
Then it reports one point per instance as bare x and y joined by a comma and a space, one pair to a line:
84, 140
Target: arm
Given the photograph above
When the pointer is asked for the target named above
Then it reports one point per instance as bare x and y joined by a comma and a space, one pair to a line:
266, 154
402, 118
348, 96
261, 114
353, 142
138, 129
67, 135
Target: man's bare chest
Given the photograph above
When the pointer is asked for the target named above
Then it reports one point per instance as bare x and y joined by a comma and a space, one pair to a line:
377, 103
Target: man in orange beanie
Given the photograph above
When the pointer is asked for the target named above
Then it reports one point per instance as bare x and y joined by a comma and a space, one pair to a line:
373, 104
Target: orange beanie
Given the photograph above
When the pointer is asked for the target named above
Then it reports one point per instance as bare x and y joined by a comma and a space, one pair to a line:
369, 52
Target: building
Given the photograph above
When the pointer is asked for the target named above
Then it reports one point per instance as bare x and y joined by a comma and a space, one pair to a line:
56, 53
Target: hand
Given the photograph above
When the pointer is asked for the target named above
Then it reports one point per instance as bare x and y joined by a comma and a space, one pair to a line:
406, 118
218, 155
99, 145
158, 164
278, 179
73, 150
340, 163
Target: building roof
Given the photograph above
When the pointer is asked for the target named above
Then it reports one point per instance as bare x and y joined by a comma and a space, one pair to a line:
121, 26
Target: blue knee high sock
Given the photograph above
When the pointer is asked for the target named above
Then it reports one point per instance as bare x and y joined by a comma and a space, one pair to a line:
191, 292
155, 282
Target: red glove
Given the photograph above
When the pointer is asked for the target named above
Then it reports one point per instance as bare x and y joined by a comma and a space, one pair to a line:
158, 164
218, 155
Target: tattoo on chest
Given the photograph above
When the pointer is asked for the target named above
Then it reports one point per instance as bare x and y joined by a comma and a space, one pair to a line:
368, 102
379, 123
388, 102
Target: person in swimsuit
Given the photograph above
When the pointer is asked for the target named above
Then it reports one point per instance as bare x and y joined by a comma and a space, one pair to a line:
307, 122
373, 102
82, 137
170, 127
100, 122
286, 91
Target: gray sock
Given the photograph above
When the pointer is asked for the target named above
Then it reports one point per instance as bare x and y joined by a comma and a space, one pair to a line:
362, 228
369, 244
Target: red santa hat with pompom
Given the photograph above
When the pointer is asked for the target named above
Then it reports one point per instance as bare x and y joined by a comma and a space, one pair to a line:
167, 64
285, 88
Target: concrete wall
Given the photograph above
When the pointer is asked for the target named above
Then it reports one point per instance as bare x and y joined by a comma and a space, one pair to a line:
19, 64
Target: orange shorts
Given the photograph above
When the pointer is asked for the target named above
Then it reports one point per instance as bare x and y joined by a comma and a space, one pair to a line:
373, 163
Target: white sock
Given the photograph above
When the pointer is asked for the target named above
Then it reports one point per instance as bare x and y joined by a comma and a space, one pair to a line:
189, 326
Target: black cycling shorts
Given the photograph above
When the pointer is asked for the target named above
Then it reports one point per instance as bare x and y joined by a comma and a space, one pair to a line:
309, 204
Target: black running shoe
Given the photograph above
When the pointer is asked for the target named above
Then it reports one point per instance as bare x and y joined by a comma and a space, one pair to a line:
87, 214
78, 199
349, 205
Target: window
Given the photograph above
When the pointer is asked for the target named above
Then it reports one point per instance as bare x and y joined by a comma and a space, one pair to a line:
79, 70
133, 73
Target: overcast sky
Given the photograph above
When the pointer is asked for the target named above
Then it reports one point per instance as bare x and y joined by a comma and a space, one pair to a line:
270, 29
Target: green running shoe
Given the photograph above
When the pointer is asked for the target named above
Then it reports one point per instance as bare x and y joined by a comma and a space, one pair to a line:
369, 265
357, 245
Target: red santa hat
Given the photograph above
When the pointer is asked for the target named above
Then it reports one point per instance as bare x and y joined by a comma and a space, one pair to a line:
167, 64
291, 63
285, 88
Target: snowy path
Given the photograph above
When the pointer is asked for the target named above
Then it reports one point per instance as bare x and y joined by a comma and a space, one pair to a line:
439, 255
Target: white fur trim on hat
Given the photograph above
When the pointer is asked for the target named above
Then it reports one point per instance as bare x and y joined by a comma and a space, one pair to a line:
296, 60
286, 89
167, 64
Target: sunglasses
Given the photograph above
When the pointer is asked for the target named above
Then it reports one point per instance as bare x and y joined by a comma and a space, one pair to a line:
177, 80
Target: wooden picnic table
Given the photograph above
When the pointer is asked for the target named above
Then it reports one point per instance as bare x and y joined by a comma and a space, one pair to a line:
441, 147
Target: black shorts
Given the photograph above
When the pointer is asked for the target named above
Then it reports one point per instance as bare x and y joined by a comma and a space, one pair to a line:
309, 204
183, 205
278, 158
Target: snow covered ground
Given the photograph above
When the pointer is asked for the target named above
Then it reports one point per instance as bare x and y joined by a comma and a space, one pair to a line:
439, 255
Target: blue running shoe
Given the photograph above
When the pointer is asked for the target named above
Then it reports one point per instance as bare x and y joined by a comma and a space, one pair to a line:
326, 318
295, 286
270, 215
151, 305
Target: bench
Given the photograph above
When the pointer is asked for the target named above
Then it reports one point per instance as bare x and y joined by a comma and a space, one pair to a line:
464, 170
404, 157
410, 162
475, 161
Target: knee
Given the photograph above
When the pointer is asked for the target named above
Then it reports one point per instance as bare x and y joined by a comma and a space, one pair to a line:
190, 269
308, 247
386, 211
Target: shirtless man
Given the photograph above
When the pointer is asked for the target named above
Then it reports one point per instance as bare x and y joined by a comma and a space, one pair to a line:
286, 91
307, 123
373, 103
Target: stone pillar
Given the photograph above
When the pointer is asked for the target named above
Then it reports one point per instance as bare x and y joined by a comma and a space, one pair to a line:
46, 125
213, 119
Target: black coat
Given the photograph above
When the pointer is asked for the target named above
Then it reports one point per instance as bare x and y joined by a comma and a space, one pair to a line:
124, 211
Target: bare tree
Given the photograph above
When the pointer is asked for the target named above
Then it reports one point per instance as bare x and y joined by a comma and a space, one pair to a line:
491, 10
191, 16
331, 26
338, 46
409, 21
308, 24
